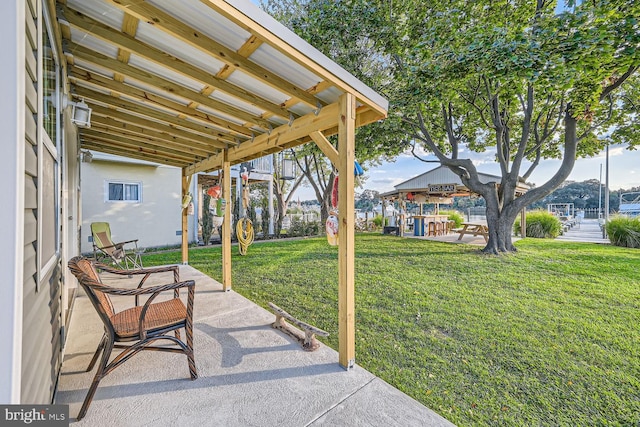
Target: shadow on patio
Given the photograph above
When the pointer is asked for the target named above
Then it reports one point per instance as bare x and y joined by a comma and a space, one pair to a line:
249, 375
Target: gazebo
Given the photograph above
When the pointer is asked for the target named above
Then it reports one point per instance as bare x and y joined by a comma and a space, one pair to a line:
440, 185
206, 84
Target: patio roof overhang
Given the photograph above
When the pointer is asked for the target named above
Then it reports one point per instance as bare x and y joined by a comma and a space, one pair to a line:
178, 83
205, 84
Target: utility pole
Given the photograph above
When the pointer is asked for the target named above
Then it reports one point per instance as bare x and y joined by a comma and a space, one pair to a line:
606, 195
600, 193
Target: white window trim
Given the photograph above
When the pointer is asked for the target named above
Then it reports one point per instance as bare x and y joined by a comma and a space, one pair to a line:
117, 181
45, 143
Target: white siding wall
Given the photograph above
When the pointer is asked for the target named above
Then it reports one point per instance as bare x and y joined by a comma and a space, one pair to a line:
154, 221
12, 173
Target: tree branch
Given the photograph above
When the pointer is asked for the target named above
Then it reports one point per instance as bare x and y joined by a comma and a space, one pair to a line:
616, 84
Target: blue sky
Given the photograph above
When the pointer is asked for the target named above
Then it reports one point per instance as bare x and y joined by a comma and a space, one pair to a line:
624, 170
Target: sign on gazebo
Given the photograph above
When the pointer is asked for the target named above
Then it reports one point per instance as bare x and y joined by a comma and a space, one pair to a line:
442, 188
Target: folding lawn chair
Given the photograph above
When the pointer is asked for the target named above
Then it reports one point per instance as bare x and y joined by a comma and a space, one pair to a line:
104, 247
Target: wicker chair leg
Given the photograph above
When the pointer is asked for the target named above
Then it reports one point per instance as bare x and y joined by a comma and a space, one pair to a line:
103, 341
108, 347
190, 358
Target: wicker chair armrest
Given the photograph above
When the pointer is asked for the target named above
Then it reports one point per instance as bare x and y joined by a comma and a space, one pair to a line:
150, 270
138, 291
189, 283
147, 272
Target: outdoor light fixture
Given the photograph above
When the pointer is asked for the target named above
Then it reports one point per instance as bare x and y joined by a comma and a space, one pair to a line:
287, 167
81, 114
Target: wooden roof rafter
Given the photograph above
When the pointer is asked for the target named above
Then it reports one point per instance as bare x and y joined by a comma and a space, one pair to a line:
93, 81
153, 145
108, 148
164, 143
128, 107
164, 84
126, 42
269, 36
154, 16
118, 119
226, 65
110, 125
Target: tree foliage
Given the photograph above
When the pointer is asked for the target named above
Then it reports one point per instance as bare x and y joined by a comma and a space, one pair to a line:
523, 79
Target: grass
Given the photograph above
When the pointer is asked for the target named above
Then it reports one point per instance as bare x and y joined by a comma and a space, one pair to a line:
547, 336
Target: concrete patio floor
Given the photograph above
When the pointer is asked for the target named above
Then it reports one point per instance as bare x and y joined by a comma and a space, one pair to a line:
249, 375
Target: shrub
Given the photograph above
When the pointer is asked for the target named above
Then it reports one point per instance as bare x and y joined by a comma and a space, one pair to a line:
377, 220
303, 228
624, 231
540, 224
454, 216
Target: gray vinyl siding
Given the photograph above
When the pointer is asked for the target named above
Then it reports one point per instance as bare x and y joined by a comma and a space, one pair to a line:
41, 340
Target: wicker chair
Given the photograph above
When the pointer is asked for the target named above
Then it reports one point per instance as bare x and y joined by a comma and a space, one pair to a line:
139, 325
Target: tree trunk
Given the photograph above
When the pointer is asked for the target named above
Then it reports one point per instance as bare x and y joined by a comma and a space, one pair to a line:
502, 205
280, 213
500, 224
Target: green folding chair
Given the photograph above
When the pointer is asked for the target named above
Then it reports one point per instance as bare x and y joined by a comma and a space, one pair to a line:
105, 249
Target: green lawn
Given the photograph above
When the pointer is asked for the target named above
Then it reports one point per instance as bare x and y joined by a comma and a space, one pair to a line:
547, 336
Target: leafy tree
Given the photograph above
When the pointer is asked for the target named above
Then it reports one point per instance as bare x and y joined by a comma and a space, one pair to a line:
512, 77
283, 192
318, 23
367, 200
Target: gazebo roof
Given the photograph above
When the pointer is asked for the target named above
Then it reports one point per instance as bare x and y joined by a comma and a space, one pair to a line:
177, 82
441, 181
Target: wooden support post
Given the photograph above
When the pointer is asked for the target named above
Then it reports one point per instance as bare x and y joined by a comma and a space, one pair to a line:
346, 238
186, 182
523, 222
226, 224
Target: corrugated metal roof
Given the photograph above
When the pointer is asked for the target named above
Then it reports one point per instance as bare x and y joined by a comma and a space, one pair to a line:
223, 73
441, 176
438, 176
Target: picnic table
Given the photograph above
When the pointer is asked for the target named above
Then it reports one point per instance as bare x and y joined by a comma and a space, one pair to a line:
473, 229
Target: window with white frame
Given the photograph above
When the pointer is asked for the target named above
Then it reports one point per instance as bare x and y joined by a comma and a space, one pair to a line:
49, 148
118, 191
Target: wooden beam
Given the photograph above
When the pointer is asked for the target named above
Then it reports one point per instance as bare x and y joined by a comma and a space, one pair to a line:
120, 119
133, 145
245, 50
92, 81
323, 144
110, 149
112, 125
129, 43
129, 26
162, 142
280, 137
346, 239
165, 118
226, 223
167, 23
257, 29
113, 65
364, 116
